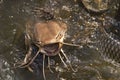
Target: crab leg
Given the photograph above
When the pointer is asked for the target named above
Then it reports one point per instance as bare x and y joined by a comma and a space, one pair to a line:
63, 61
49, 65
44, 67
26, 61
28, 55
67, 60
27, 64
69, 44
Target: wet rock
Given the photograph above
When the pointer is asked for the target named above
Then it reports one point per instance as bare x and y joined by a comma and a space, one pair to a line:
5, 72
96, 5
109, 42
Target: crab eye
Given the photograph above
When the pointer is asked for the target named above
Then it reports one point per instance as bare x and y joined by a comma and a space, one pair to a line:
59, 36
38, 43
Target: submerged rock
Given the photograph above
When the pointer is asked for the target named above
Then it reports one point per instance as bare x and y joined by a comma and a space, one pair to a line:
109, 42
96, 5
5, 72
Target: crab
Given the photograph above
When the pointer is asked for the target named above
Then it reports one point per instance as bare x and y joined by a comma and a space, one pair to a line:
49, 37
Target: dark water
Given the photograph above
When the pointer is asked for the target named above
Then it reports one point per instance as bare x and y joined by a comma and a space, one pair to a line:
82, 26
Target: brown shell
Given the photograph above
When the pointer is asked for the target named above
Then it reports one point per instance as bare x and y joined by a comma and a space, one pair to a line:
46, 32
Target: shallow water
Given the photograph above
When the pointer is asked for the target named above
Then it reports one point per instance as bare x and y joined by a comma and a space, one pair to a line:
82, 25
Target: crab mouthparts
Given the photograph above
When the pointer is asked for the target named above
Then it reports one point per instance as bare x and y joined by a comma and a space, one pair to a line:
51, 49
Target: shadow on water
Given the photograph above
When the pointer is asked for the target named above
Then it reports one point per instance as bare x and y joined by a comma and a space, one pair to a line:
82, 25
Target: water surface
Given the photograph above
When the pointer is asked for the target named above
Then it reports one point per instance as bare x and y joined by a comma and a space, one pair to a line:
82, 26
